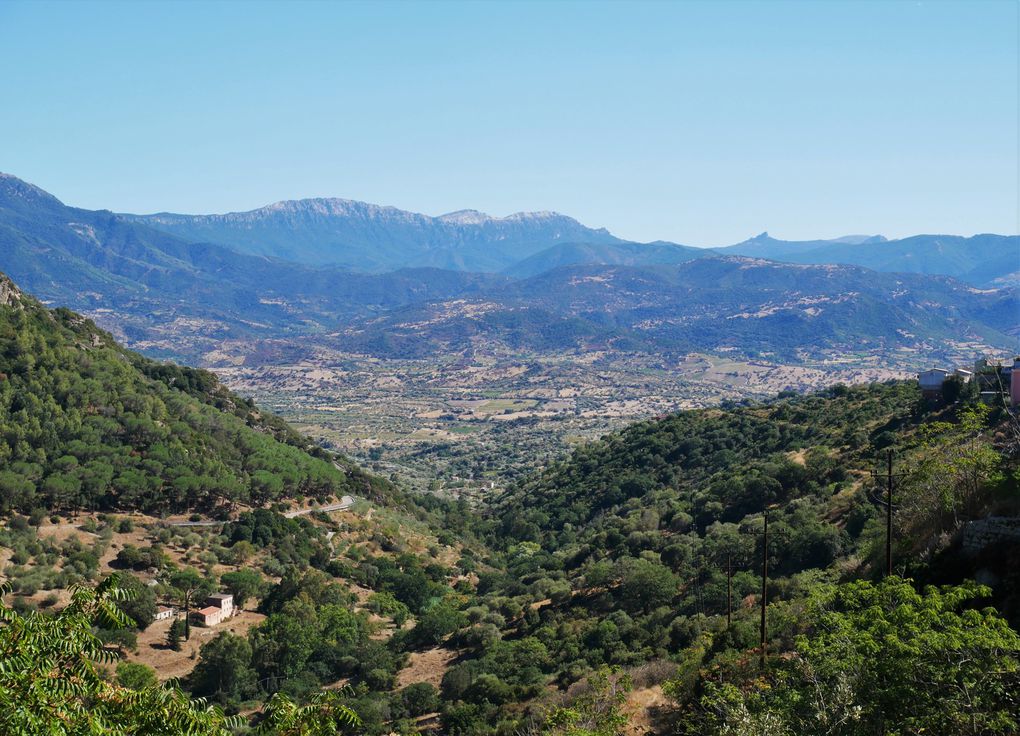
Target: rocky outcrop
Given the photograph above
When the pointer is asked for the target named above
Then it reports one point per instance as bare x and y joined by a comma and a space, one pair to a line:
995, 530
10, 295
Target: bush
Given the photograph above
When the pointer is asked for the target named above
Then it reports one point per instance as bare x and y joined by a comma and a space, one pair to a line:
135, 675
419, 698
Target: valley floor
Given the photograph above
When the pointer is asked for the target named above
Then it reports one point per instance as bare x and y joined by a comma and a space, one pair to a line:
472, 426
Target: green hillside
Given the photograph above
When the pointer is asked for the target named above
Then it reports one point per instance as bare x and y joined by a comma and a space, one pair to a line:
629, 570
86, 424
688, 491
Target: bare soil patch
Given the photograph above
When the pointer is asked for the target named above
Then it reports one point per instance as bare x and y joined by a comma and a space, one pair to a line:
427, 666
152, 649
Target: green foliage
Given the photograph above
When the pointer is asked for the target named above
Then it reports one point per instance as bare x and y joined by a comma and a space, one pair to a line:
50, 681
136, 676
174, 634
224, 670
141, 559
385, 604
296, 542
945, 481
419, 698
140, 604
436, 624
86, 424
245, 584
312, 636
597, 711
645, 584
883, 659
325, 715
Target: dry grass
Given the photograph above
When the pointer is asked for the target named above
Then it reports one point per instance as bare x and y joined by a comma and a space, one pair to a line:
152, 649
427, 666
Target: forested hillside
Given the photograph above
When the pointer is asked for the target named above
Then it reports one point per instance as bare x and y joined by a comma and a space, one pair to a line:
685, 495
86, 424
617, 591
648, 546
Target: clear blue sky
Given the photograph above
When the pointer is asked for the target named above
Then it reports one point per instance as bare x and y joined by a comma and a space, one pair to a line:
702, 123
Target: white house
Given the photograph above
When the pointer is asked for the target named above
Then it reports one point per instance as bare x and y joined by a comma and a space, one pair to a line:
931, 382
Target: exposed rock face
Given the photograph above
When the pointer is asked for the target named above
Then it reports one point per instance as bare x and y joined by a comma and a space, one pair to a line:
995, 530
10, 295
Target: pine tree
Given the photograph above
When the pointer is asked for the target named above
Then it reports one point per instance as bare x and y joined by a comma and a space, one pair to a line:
173, 636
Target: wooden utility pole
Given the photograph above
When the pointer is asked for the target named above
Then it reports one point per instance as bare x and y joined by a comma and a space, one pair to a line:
729, 589
764, 583
888, 519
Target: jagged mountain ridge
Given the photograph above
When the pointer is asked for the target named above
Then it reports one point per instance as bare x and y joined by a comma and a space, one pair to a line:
371, 237
368, 237
138, 280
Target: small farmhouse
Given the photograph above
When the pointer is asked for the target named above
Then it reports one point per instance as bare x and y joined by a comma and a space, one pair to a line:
218, 608
208, 616
164, 612
223, 601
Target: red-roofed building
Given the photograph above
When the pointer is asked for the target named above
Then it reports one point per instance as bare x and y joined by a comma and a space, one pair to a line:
208, 616
218, 607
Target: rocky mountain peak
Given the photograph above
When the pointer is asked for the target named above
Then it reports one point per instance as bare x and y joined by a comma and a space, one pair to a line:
13, 188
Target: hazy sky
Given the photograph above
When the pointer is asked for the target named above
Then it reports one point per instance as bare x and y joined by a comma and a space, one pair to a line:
701, 123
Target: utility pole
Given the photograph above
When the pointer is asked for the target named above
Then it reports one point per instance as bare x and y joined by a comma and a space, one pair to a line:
888, 519
729, 589
764, 582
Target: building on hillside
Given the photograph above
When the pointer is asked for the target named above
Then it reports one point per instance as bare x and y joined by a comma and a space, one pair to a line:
995, 380
931, 382
223, 601
164, 612
208, 616
218, 608
992, 379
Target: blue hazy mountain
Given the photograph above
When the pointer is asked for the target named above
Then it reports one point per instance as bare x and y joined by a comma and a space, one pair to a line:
173, 297
369, 237
982, 260
606, 254
146, 279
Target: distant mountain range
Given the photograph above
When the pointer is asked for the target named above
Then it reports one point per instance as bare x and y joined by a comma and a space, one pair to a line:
752, 307
605, 254
367, 237
173, 297
982, 260
138, 281
370, 238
